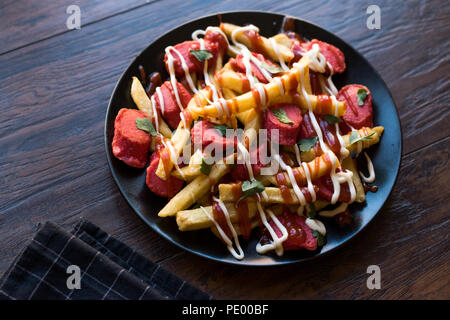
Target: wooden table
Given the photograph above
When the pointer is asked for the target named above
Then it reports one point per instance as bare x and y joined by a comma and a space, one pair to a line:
55, 86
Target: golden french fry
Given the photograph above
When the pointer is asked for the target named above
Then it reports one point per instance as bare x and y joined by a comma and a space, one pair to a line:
181, 135
363, 132
319, 167
283, 39
274, 195
350, 164
195, 189
195, 219
262, 43
233, 80
143, 103
273, 92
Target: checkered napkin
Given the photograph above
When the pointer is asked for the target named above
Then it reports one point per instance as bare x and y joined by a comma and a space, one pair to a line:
109, 269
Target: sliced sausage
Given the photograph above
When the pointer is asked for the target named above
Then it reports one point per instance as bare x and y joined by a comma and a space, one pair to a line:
192, 63
239, 172
203, 133
238, 65
163, 188
355, 115
333, 55
300, 234
171, 112
326, 189
130, 144
288, 132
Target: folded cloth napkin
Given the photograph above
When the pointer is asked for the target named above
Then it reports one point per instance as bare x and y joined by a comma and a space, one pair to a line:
108, 269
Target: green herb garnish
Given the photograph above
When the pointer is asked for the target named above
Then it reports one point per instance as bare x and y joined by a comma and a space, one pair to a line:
320, 238
271, 68
205, 168
354, 137
362, 95
306, 144
145, 125
332, 119
202, 55
250, 188
222, 129
281, 116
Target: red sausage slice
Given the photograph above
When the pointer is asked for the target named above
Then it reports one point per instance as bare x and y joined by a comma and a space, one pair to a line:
240, 170
334, 56
238, 65
162, 188
355, 115
213, 36
130, 144
326, 189
204, 133
192, 63
300, 234
171, 109
288, 132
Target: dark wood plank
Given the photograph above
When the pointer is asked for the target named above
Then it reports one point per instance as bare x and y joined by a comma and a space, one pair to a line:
53, 98
409, 240
24, 21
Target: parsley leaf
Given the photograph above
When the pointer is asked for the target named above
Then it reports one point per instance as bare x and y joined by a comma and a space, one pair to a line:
222, 129
281, 116
306, 144
205, 168
332, 119
250, 188
354, 137
145, 125
202, 55
362, 95
320, 238
312, 210
274, 69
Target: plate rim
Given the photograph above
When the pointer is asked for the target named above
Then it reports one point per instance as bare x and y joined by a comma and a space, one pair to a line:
242, 262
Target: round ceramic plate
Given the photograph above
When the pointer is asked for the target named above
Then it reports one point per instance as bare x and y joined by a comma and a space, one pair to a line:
386, 155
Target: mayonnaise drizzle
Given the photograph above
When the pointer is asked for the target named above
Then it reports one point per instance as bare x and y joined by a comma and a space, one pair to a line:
331, 213
173, 158
317, 225
155, 114
247, 55
238, 255
160, 98
371, 177
277, 242
277, 52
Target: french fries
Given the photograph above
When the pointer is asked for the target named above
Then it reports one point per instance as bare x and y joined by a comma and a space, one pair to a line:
285, 53
143, 103
195, 189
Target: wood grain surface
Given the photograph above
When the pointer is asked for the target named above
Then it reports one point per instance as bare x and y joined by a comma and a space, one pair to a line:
55, 85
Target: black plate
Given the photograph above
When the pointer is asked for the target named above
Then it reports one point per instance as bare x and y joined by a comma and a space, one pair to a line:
386, 155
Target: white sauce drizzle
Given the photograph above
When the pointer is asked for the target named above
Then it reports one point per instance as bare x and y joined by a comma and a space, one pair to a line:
161, 99
371, 177
277, 243
155, 114
331, 213
277, 52
288, 169
308, 178
262, 94
247, 55
168, 145
238, 255
317, 225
